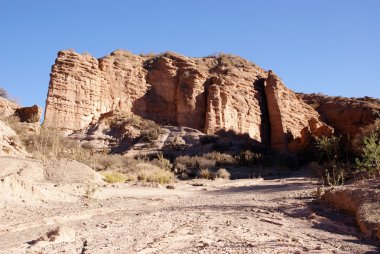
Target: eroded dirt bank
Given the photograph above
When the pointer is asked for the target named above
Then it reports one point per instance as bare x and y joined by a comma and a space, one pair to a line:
240, 216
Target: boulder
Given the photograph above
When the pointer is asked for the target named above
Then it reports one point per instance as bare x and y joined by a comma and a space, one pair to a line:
29, 114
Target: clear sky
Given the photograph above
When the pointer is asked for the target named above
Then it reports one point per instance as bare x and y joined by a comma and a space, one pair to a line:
328, 46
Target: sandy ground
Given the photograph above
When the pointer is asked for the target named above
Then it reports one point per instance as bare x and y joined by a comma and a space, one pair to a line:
199, 216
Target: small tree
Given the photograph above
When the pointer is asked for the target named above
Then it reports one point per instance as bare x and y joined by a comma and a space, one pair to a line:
330, 149
370, 159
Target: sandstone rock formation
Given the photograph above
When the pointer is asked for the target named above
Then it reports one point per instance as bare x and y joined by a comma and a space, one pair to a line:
7, 107
10, 144
362, 200
211, 94
348, 116
29, 114
292, 121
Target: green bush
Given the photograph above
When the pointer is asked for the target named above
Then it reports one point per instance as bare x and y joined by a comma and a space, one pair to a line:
370, 159
331, 159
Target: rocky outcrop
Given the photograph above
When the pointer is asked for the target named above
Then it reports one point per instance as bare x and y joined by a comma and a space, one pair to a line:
362, 200
10, 144
210, 94
29, 114
292, 122
7, 107
82, 87
348, 116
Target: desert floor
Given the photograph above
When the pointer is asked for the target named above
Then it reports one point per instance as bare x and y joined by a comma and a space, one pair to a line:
197, 216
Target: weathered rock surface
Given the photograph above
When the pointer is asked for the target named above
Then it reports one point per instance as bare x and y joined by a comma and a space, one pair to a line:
29, 114
7, 107
292, 121
348, 116
10, 145
211, 94
362, 200
132, 135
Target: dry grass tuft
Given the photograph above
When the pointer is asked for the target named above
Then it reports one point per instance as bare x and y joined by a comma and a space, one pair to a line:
114, 177
223, 173
148, 172
206, 174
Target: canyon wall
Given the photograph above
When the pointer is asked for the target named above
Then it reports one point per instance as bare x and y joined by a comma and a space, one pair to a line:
346, 115
211, 94
292, 121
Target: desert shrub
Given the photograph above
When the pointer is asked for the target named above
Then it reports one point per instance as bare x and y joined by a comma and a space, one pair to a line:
180, 168
186, 161
209, 160
204, 162
223, 173
150, 135
114, 177
248, 158
3, 93
369, 161
15, 123
108, 161
358, 140
206, 174
149, 55
154, 174
149, 130
177, 142
48, 143
90, 190
331, 160
221, 159
162, 162
229, 60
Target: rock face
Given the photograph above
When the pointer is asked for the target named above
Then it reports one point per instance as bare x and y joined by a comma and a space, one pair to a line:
7, 108
346, 115
292, 121
29, 114
211, 94
10, 145
362, 200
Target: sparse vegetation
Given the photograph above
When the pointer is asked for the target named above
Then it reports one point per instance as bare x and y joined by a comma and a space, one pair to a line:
3, 93
331, 160
206, 174
114, 177
369, 161
149, 173
49, 143
229, 60
90, 190
223, 173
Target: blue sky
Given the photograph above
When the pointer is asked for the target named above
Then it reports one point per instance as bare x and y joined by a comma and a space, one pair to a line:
328, 46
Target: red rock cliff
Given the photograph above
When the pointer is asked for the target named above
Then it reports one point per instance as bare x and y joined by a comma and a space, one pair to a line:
210, 94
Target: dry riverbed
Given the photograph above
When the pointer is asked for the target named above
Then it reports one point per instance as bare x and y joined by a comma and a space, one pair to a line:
198, 216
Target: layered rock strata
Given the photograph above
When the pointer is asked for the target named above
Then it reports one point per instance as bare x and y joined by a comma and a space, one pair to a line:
348, 116
360, 199
292, 121
212, 94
